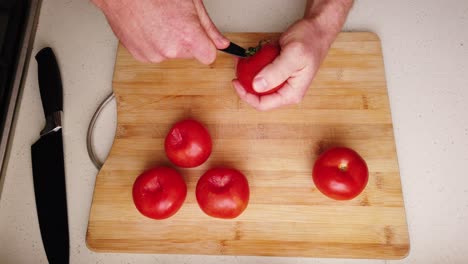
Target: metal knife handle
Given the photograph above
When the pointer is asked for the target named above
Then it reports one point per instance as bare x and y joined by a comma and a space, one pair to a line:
50, 82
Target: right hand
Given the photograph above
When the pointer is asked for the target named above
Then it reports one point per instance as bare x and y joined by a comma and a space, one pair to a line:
156, 30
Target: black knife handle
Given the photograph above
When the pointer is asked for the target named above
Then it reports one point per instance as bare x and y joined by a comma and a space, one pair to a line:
50, 82
235, 49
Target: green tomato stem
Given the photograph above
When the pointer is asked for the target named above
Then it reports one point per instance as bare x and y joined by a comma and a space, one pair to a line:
252, 50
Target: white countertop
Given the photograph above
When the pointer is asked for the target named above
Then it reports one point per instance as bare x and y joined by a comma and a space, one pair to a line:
425, 46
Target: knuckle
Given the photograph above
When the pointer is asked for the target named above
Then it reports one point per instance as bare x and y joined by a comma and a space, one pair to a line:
292, 99
188, 38
262, 108
155, 57
211, 57
169, 52
138, 57
297, 48
208, 55
296, 99
172, 50
210, 27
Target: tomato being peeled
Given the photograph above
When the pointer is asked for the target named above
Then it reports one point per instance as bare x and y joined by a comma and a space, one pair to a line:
188, 144
340, 173
223, 193
159, 193
257, 59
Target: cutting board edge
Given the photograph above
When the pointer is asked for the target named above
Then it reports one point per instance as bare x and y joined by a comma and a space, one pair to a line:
343, 35
403, 252
370, 36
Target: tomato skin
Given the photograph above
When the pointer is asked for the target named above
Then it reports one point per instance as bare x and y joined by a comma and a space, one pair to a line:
340, 173
249, 67
188, 144
159, 193
223, 193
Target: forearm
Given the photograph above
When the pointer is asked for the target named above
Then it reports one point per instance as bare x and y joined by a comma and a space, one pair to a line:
328, 16
115, 4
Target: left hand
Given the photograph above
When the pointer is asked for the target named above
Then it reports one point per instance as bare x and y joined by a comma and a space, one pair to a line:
303, 49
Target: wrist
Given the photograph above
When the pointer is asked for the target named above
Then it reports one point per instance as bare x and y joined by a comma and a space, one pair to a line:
110, 4
327, 18
316, 8
322, 37
99, 3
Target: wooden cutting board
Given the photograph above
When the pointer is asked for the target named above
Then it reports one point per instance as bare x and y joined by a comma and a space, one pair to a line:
347, 105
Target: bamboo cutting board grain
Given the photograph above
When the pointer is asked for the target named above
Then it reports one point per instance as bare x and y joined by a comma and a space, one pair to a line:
346, 105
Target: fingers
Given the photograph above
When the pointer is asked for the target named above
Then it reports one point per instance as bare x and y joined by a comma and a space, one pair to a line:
153, 31
218, 39
149, 55
202, 47
207, 39
142, 51
137, 55
249, 98
291, 93
261, 103
281, 69
199, 46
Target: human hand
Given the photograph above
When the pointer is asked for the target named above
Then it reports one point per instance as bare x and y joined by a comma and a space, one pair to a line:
302, 51
156, 30
304, 46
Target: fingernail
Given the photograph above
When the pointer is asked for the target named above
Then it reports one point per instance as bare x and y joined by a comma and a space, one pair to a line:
223, 42
260, 84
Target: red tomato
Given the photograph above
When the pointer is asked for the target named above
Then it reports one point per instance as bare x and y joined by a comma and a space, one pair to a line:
159, 193
340, 173
249, 67
223, 192
188, 144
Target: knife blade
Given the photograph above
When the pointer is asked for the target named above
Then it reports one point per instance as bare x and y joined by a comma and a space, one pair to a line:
235, 50
48, 163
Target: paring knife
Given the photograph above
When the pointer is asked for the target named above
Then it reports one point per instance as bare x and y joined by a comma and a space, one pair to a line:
235, 50
48, 164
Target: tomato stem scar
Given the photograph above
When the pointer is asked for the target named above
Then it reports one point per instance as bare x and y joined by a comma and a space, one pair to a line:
343, 166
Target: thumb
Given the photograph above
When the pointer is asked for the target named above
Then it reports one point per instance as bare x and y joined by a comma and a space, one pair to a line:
218, 39
277, 72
